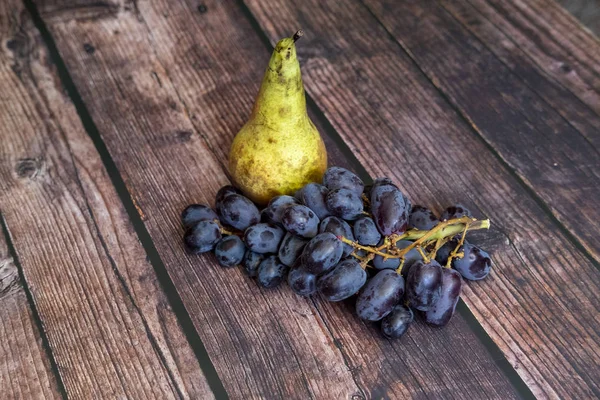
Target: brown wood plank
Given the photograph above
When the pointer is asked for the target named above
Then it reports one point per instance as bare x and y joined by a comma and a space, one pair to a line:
551, 38
586, 11
25, 371
540, 304
554, 158
539, 78
108, 322
205, 65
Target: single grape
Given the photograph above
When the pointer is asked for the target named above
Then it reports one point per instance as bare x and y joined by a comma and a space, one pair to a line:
345, 204
338, 227
290, 248
251, 262
202, 237
302, 282
238, 211
377, 182
342, 281
322, 253
410, 257
195, 213
230, 251
475, 264
263, 238
455, 211
444, 252
222, 193
380, 295
366, 232
313, 196
422, 218
397, 322
341, 178
443, 309
390, 209
271, 272
300, 220
277, 206
390, 263
424, 284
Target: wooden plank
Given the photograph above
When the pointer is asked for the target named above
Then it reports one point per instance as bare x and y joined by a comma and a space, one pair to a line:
25, 369
551, 38
586, 11
539, 78
282, 345
108, 322
553, 157
540, 304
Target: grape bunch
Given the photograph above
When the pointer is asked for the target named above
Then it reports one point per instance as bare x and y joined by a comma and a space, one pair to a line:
341, 239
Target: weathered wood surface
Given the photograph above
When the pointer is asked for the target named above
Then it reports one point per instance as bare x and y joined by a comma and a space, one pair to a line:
25, 369
168, 119
586, 11
551, 38
560, 162
109, 326
540, 304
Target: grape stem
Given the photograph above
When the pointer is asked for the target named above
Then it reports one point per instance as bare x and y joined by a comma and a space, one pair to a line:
443, 230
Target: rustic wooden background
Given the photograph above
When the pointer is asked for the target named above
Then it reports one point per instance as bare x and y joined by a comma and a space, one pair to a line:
115, 114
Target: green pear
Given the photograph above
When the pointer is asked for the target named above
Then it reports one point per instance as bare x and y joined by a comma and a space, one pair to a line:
278, 150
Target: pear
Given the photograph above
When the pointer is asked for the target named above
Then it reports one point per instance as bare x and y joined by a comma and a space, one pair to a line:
278, 150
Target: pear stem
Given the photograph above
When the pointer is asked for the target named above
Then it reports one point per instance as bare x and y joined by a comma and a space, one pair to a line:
299, 33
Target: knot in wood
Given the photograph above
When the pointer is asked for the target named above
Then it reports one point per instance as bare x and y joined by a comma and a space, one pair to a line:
28, 167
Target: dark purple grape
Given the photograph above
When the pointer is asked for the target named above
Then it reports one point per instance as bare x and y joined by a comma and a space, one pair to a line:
341, 178
424, 284
195, 213
475, 264
202, 237
322, 253
345, 204
263, 238
379, 296
224, 192
422, 218
390, 209
443, 309
230, 251
377, 182
366, 232
290, 248
300, 220
276, 207
390, 263
302, 282
397, 322
338, 227
444, 252
455, 211
342, 281
271, 272
251, 262
313, 196
410, 257
238, 211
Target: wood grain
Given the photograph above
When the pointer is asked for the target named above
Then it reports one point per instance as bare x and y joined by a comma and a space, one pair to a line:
168, 120
540, 304
109, 325
25, 371
538, 78
586, 11
548, 152
551, 38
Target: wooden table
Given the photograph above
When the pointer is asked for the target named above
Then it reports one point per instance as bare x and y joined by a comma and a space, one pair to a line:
116, 114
